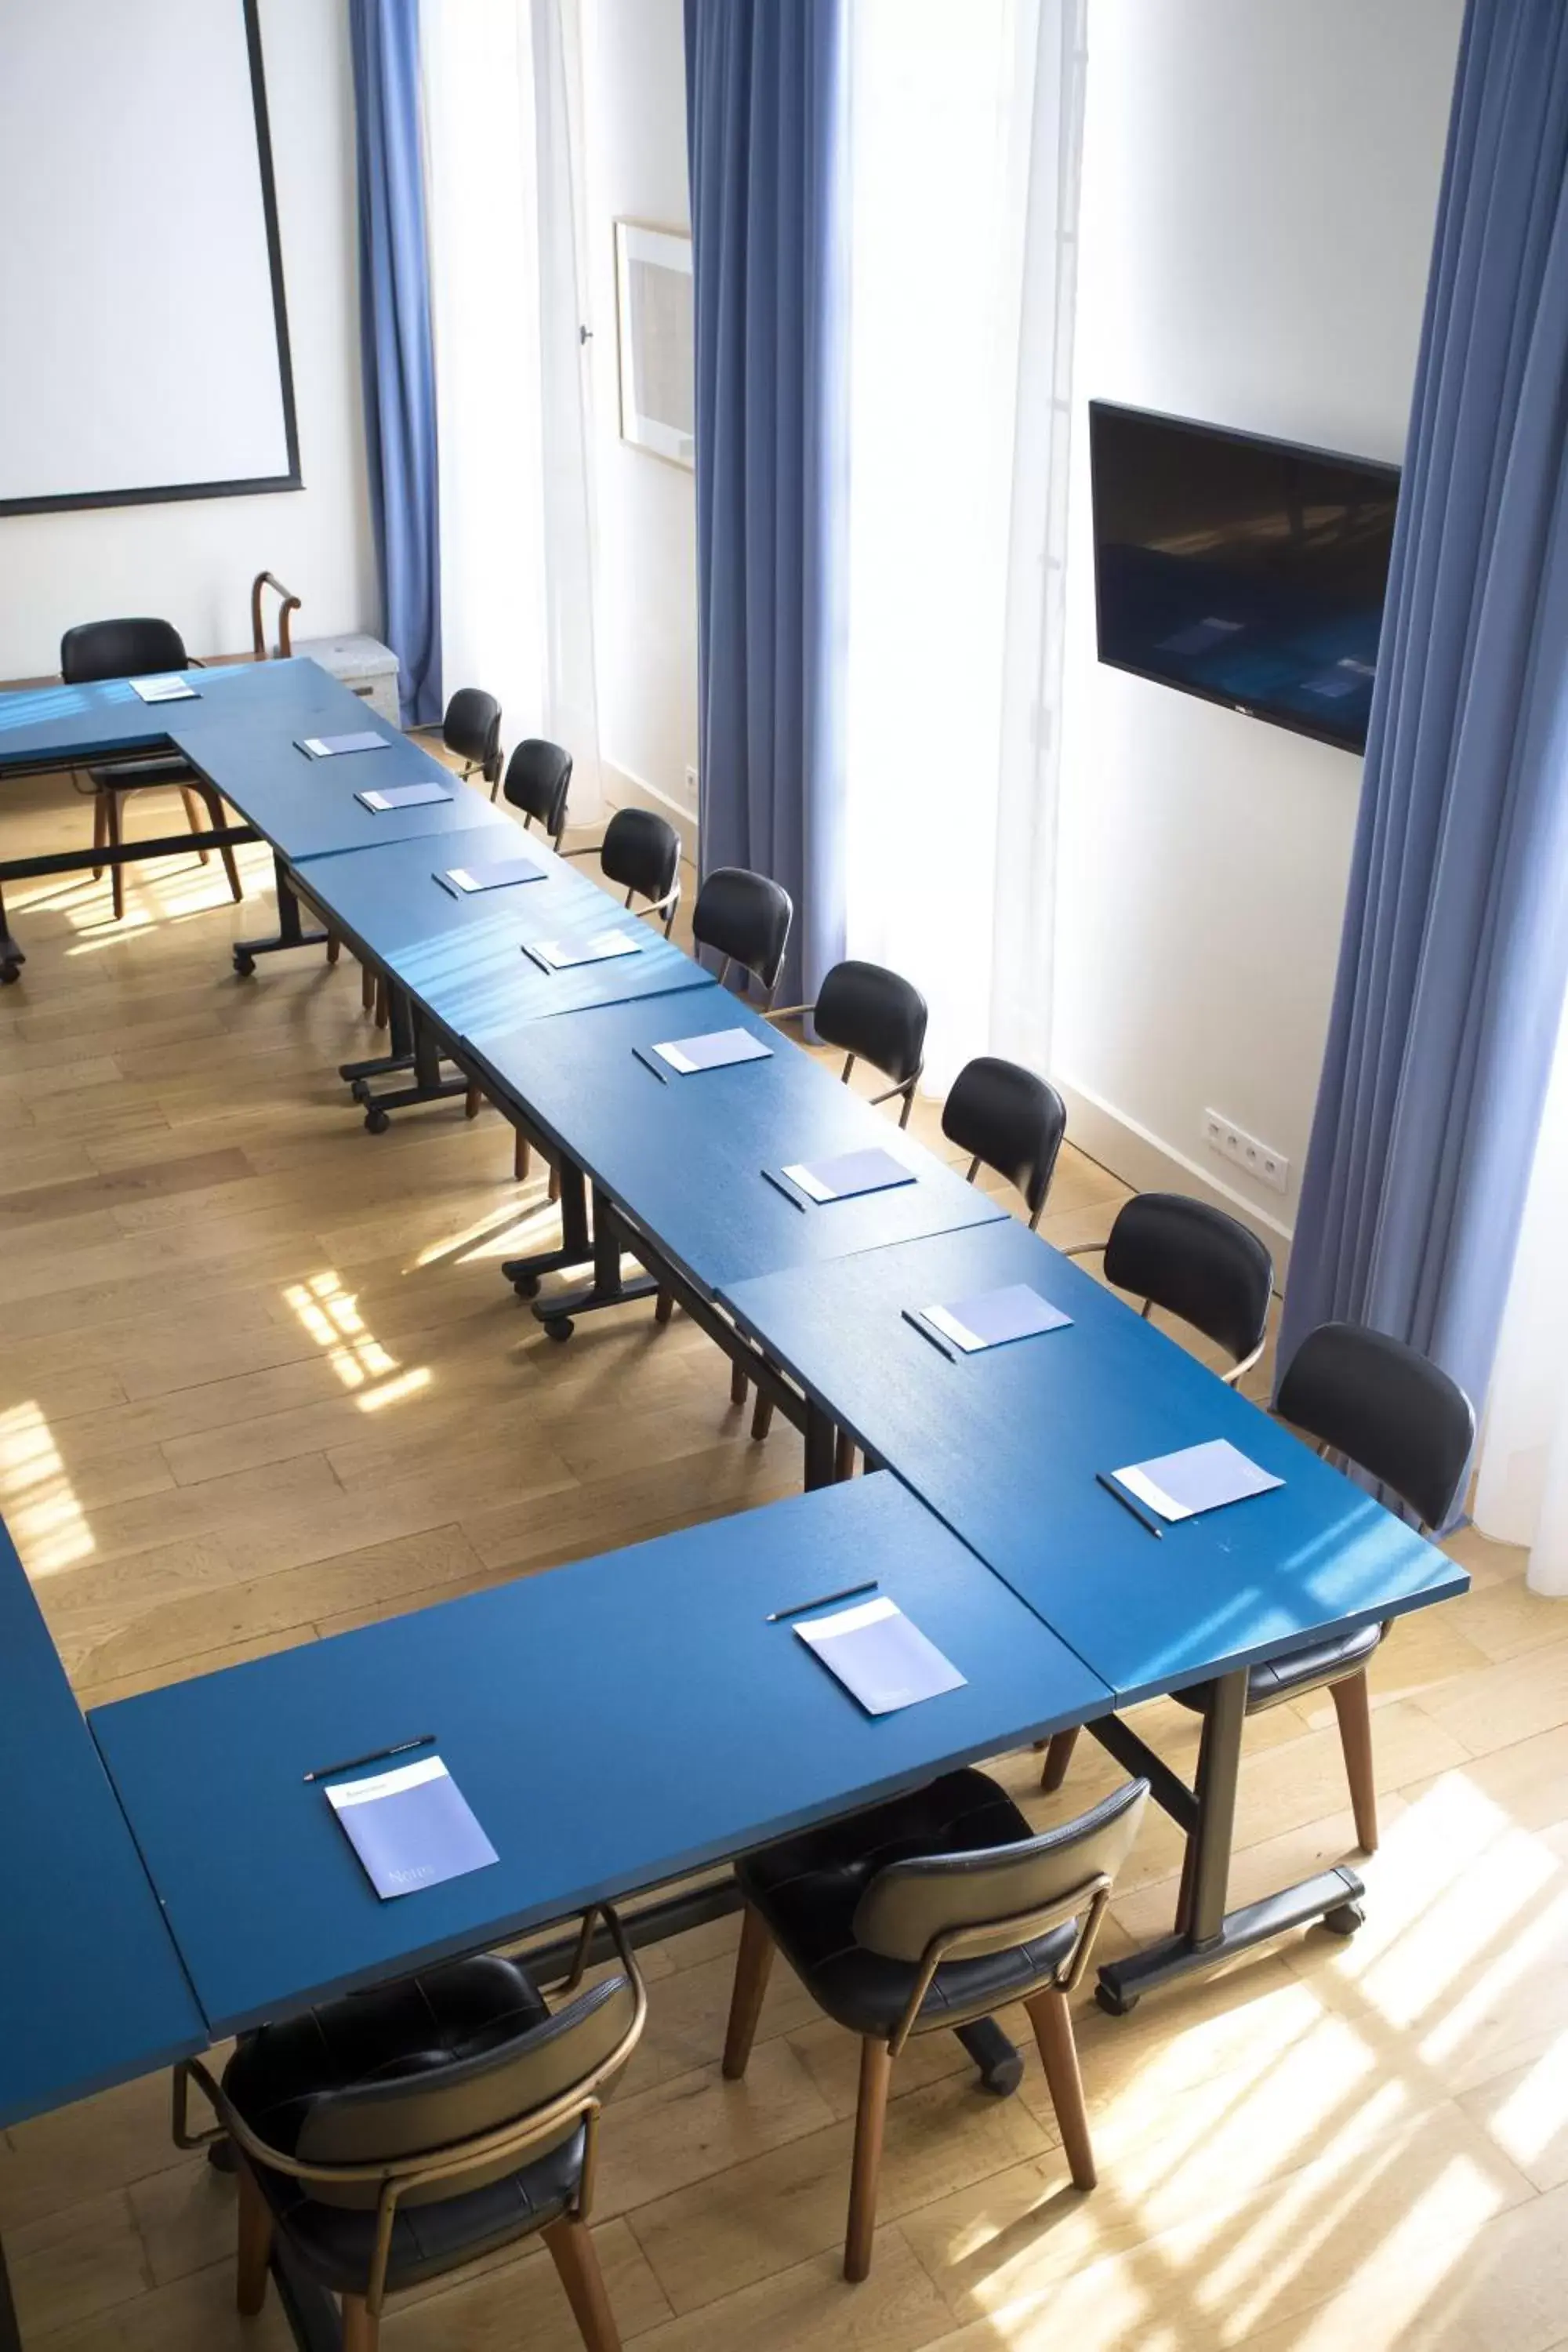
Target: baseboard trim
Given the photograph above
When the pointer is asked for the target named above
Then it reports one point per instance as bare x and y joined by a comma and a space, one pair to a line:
622, 790
1129, 1150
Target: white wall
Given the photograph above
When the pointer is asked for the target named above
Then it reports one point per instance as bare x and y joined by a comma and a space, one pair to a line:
1259, 187
635, 72
192, 561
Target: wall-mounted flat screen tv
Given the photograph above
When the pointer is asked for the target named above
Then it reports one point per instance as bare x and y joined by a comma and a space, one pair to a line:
1247, 570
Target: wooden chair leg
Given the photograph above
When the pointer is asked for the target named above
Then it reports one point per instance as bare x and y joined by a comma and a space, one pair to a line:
843, 1453
361, 2332
571, 2245
739, 1383
382, 1004
761, 1417
553, 1190
112, 838
214, 812
334, 948
753, 1965
870, 2118
255, 2244
194, 818
100, 828
366, 989
1049, 2016
1059, 1756
473, 1102
1353, 1704
664, 1307
522, 1156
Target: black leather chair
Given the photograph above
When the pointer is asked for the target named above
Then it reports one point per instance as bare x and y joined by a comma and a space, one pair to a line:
744, 917
1008, 1119
1384, 1408
1195, 1263
138, 648
872, 1015
402, 2133
471, 732
640, 854
928, 1913
538, 776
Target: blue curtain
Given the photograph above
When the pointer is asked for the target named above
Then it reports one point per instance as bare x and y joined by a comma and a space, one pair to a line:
1455, 953
765, 96
396, 353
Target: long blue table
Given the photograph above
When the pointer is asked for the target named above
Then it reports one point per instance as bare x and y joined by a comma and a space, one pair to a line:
615, 1724
1005, 1446
93, 1989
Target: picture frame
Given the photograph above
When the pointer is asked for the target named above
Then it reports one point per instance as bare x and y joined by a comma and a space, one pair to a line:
655, 348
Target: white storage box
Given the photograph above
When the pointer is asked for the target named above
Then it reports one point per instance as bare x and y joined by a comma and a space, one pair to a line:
364, 666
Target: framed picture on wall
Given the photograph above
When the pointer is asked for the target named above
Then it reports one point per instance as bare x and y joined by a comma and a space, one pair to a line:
652, 307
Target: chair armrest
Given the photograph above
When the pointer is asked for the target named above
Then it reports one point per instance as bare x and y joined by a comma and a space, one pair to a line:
788, 1012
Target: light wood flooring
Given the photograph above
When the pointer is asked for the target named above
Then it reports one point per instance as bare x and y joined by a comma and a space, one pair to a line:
260, 1379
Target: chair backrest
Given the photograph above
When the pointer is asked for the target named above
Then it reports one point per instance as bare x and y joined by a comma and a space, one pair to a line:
873, 1015
119, 649
1196, 1262
443, 2098
746, 918
1007, 1118
1386, 1407
472, 727
998, 1896
641, 853
537, 777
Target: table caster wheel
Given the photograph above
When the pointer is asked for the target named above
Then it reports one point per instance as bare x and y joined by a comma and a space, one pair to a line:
220, 2155
1004, 2078
360, 1090
9, 974
1344, 1918
244, 965
1115, 2004
526, 1286
376, 1121
560, 1327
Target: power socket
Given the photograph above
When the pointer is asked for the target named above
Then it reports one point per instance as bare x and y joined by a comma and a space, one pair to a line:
1260, 1159
691, 788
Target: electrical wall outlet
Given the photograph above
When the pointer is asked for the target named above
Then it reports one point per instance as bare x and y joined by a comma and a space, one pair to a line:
1260, 1159
691, 788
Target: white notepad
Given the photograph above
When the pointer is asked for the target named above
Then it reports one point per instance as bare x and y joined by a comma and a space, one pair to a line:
163, 690
991, 1318
1197, 1478
716, 1049
500, 876
879, 1657
849, 1175
411, 1827
564, 955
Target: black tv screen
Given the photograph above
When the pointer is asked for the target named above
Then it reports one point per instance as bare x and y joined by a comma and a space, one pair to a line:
1250, 571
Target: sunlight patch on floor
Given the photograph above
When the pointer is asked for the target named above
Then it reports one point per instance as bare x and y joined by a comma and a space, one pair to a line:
37, 1498
332, 1317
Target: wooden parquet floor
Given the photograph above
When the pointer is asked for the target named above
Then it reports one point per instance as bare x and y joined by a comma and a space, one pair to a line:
260, 1379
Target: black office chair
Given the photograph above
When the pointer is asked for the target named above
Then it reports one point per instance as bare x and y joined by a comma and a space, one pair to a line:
928, 1913
139, 649
1197, 1264
640, 854
746, 918
471, 732
872, 1015
538, 775
1010, 1120
401, 2133
1384, 1407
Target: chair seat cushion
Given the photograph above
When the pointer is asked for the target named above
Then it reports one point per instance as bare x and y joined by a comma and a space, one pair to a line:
134, 775
1274, 1680
395, 2032
807, 1889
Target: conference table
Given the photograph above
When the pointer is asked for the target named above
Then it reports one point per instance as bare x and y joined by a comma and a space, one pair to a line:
582, 1711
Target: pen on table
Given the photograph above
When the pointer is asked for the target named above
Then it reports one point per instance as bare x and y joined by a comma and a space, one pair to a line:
923, 1327
377, 1756
776, 1616
1127, 1502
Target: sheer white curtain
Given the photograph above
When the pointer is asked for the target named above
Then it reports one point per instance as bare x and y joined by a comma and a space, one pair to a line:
502, 84
965, 126
1522, 1491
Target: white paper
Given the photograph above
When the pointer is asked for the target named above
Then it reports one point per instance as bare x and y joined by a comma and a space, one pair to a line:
163, 690
561, 956
1196, 1478
880, 1656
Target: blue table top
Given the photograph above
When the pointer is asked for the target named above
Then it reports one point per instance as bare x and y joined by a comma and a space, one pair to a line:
1005, 1446
462, 958
243, 732
92, 1989
613, 1724
643, 1140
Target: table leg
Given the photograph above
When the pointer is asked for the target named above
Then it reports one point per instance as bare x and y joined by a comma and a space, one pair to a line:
291, 932
997, 2057
821, 1447
1205, 1931
576, 1247
10, 2334
414, 1046
11, 956
608, 1288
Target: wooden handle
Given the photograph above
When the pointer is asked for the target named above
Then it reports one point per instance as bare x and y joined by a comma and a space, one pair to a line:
257, 634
